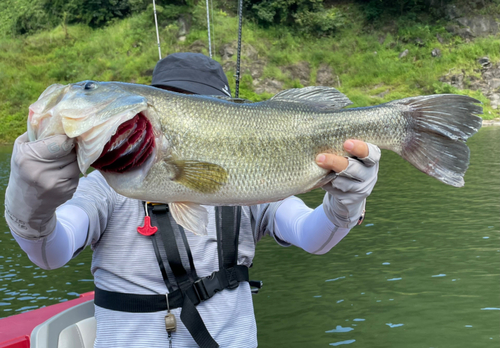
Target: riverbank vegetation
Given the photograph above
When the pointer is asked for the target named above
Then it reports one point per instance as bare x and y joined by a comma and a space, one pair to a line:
357, 43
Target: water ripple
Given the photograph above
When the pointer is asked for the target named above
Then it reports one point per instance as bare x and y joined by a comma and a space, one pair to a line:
342, 342
339, 328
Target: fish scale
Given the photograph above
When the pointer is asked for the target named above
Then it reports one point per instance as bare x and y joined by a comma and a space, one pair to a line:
210, 150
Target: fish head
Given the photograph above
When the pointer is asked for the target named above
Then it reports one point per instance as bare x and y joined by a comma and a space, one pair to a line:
111, 123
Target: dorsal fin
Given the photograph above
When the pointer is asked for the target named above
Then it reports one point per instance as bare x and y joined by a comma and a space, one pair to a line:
325, 98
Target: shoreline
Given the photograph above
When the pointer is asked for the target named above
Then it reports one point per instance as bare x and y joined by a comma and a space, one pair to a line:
493, 122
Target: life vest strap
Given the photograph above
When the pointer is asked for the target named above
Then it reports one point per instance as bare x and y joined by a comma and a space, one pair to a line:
201, 290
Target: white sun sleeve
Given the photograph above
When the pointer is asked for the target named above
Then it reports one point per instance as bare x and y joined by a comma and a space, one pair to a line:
60, 246
309, 229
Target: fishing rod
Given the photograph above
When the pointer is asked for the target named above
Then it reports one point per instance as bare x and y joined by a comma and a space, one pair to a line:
237, 76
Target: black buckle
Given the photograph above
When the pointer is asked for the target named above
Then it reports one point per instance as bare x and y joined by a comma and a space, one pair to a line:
200, 291
206, 287
255, 286
160, 208
231, 281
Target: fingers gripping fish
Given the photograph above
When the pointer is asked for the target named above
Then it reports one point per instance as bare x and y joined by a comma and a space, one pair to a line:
188, 150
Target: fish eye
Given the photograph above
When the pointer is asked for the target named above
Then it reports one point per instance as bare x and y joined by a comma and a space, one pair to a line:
90, 85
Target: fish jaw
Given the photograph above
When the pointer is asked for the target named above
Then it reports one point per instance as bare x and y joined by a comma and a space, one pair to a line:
43, 121
88, 111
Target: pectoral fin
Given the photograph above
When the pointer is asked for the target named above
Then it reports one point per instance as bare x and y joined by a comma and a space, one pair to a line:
199, 176
191, 216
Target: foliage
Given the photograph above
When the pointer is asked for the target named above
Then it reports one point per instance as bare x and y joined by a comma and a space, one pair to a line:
308, 15
365, 68
374, 9
28, 16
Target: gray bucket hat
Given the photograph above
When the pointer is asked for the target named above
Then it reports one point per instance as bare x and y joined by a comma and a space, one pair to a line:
191, 72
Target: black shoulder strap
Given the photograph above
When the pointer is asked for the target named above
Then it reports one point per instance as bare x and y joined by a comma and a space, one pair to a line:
162, 218
227, 220
189, 314
228, 227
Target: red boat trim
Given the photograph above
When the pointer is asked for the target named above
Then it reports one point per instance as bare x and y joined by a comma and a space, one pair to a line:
15, 330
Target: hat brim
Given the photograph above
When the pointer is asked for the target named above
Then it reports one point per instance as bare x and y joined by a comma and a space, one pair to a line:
192, 87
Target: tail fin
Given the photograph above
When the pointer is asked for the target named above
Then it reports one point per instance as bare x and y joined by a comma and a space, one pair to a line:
439, 126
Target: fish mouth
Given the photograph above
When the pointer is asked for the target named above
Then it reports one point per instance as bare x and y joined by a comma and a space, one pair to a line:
131, 145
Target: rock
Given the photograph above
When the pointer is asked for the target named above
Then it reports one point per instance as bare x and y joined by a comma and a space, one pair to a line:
419, 42
488, 83
229, 50
494, 122
197, 47
485, 62
452, 12
269, 86
182, 38
494, 83
458, 81
300, 71
183, 27
439, 38
466, 33
404, 53
256, 68
228, 66
480, 25
495, 100
324, 76
436, 52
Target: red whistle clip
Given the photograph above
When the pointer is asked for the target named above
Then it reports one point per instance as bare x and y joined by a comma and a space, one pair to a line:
147, 229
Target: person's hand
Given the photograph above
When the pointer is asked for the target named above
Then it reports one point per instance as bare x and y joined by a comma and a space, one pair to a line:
43, 175
344, 203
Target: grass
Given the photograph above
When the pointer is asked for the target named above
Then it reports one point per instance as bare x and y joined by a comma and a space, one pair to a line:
366, 61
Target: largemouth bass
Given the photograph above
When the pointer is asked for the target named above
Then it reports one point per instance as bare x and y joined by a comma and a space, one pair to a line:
188, 150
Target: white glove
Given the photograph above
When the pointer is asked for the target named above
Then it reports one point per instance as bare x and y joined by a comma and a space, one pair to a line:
344, 204
43, 175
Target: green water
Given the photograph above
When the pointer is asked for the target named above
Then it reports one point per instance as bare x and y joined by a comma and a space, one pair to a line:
422, 271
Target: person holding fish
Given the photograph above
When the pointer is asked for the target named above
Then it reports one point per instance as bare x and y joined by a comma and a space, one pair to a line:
156, 282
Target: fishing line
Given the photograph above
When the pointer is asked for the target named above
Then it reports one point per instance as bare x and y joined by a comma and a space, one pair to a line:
208, 28
157, 33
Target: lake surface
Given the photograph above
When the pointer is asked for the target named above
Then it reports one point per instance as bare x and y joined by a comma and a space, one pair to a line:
423, 270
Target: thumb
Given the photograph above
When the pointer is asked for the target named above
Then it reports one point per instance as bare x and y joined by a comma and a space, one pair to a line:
356, 148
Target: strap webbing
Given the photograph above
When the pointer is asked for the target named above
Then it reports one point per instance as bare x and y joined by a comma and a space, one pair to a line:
228, 225
161, 264
192, 289
158, 255
227, 221
195, 325
163, 221
199, 291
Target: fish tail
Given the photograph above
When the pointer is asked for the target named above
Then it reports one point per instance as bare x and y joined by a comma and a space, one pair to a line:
439, 126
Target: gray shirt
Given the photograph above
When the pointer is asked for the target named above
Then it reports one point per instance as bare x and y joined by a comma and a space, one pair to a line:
124, 261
